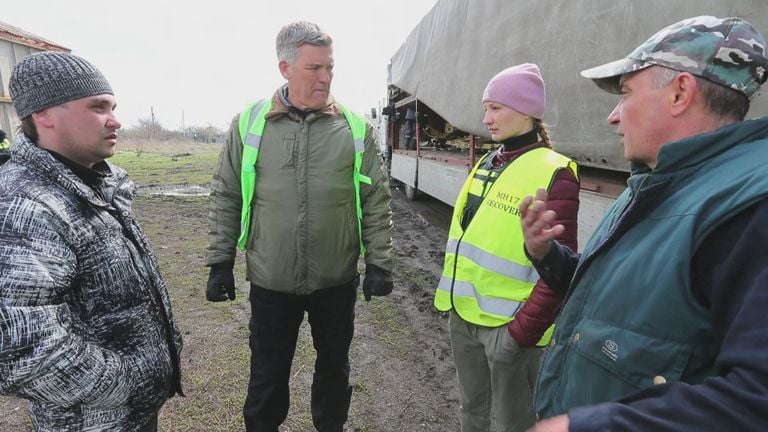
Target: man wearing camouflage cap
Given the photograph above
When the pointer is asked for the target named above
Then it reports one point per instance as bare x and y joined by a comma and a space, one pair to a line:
664, 325
86, 329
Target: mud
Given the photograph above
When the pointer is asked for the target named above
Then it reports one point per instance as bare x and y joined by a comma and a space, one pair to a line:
418, 380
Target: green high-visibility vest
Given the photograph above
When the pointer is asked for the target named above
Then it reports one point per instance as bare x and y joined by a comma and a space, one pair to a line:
486, 275
251, 127
5, 144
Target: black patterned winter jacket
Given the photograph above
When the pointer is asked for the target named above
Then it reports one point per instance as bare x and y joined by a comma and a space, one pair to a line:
86, 330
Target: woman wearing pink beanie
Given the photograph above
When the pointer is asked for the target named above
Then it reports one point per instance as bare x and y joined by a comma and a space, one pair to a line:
501, 312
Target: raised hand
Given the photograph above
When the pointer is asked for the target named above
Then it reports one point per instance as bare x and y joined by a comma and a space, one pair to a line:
536, 220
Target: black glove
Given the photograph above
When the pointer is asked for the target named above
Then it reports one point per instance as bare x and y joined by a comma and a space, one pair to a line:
377, 282
221, 282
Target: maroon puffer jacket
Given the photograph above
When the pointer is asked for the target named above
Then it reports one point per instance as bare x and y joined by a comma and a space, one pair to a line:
539, 312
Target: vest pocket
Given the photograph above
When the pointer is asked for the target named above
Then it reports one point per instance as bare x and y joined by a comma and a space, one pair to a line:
608, 362
289, 150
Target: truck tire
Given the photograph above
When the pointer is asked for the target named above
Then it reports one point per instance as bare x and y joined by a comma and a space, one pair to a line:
411, 192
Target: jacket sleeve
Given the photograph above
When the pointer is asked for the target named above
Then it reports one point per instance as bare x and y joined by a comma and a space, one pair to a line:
225, 201
41, 357
540, 310
377, 214
730, 274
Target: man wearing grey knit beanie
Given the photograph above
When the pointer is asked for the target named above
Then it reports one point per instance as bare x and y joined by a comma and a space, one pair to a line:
88, 335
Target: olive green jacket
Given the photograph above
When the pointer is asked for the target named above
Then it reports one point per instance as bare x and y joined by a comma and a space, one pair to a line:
303, 235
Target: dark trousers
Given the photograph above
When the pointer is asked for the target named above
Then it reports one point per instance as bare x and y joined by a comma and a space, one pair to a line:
274, 325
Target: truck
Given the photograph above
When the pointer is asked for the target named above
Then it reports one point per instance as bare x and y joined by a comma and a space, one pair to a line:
434, 132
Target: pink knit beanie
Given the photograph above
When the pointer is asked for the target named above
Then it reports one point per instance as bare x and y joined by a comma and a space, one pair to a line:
519, 87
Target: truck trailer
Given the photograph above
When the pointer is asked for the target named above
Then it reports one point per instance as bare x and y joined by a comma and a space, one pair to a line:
434, 132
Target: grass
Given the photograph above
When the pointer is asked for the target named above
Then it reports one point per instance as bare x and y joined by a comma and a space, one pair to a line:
389, 324
171, 164
215, 359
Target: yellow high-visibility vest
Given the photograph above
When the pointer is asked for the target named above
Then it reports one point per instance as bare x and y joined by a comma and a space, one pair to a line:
251, 127
486, 276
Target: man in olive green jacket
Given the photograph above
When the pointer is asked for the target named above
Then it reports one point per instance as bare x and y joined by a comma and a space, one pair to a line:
303, 242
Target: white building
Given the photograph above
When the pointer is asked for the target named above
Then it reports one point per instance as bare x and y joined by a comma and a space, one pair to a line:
15, 44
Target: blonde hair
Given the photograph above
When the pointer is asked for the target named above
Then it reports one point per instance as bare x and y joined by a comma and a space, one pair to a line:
543, 132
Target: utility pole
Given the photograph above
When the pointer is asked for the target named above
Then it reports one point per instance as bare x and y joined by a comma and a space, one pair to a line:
151, 122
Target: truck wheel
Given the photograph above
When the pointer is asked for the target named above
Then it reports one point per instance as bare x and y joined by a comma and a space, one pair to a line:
411, 192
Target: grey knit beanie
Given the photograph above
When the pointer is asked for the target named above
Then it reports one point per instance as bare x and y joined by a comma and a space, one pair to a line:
50, 78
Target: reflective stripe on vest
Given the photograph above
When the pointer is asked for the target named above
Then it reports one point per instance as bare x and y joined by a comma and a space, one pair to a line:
494, 263
486, 276
491, 305
251, 128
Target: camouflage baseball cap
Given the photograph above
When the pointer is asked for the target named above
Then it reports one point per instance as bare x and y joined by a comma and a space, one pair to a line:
727, 51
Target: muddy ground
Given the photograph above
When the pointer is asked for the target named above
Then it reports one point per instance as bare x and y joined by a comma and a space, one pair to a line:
402, 370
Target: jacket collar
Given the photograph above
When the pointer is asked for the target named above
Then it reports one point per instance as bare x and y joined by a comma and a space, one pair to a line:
46, 165
692, 151
282, 106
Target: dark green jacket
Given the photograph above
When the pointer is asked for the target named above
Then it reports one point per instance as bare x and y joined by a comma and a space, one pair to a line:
303, 235
633, 318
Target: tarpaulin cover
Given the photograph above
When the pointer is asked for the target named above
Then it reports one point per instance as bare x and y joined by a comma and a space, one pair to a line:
459, 45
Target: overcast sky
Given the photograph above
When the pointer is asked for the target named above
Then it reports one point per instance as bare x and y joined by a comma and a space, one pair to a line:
208, 59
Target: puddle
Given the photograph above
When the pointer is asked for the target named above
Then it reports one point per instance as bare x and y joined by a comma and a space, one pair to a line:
175, 191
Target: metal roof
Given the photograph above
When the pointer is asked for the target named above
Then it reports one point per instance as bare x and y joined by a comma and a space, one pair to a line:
17, 35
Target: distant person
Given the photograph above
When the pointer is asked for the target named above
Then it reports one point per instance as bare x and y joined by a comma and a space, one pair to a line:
501, 312
410, 128
87, 333
664, 327
5, 147
300, 186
